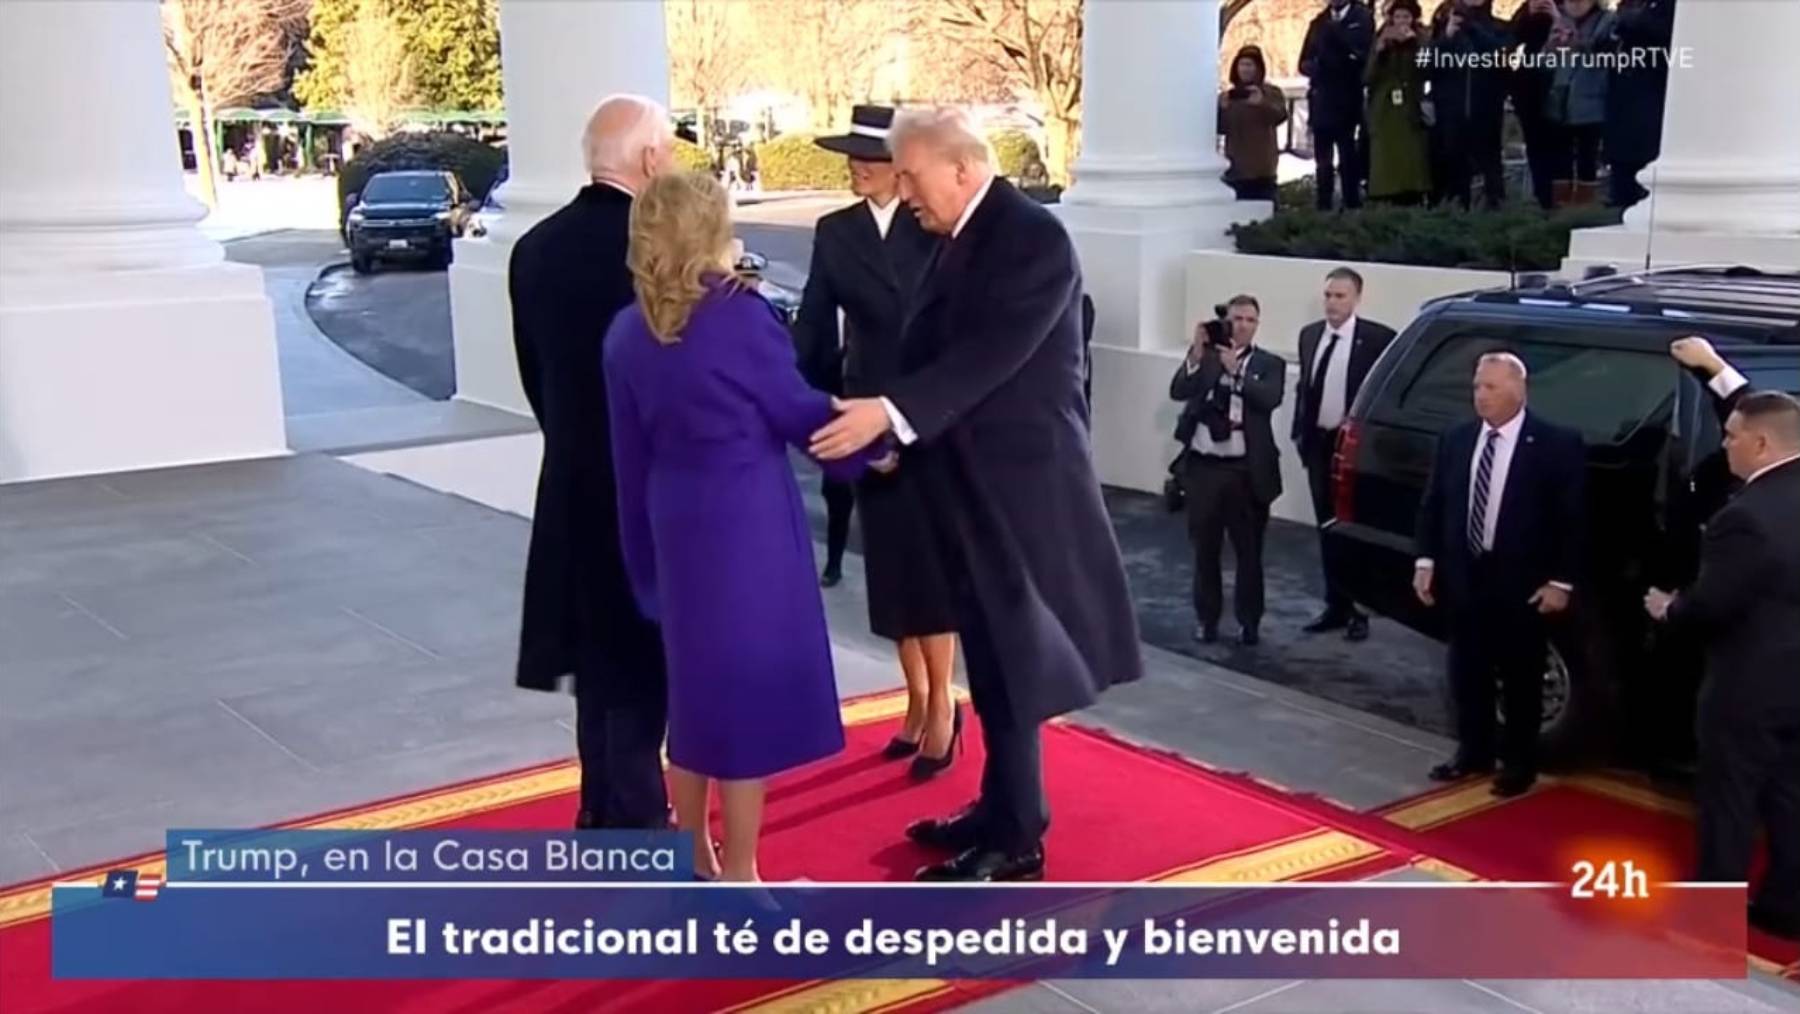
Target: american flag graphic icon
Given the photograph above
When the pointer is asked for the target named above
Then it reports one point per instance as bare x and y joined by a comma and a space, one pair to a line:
130, 884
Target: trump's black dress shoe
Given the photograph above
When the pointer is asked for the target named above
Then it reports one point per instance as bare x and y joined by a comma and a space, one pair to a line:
949, 834
1249, 637
1456, 768
831, 578
979, 864
1513, 783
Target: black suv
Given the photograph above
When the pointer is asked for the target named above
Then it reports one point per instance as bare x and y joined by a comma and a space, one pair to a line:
410, 214
1598, 352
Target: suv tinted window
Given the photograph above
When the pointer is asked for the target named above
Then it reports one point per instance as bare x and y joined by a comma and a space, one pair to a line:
1605, 393
420, 189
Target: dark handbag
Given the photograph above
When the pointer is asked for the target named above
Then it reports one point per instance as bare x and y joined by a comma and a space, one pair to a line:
1174, 494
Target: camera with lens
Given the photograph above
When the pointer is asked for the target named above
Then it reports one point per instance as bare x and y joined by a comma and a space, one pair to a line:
1218, 329
1213, 409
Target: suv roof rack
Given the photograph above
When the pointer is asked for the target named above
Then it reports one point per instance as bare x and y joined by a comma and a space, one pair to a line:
1745, 296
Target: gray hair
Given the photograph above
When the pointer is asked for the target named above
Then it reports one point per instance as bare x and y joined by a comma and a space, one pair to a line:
621, 127
947, 129
1508, 360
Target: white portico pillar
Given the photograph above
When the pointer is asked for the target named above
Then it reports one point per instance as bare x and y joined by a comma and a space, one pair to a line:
558, 59
1147, 186
1146, 193
1726, 188
126, 340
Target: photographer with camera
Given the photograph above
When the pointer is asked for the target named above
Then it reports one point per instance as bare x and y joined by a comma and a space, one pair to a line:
1229, 467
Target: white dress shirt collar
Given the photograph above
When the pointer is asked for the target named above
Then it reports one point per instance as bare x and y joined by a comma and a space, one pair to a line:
1347, 329
620, 187
884, 214
1770, 467
1508, 430
974, 202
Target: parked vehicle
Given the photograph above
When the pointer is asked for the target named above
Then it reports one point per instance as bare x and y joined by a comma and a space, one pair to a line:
1599, 361
407, 215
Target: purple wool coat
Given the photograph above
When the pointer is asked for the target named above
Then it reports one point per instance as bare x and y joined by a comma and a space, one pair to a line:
715, 535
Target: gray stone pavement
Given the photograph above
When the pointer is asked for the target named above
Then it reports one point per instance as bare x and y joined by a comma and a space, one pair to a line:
238, 644
334, 401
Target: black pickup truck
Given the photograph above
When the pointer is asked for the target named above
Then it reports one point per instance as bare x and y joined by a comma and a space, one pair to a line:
1598, 352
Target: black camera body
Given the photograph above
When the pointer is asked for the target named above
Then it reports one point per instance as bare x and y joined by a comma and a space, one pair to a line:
1218, 329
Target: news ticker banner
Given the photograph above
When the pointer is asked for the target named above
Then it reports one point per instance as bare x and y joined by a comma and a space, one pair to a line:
451, 904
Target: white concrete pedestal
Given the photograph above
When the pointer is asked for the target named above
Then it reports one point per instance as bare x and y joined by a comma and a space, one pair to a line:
104, 372
1726, 189
559, 58
126, 341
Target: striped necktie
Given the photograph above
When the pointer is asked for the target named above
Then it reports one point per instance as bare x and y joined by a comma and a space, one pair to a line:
1478, 495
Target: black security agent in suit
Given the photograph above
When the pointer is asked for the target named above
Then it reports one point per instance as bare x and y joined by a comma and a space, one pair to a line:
567, 280
1500, 545
1745, 608
866, 263
1234, 474
1327, 359
997, 428
1335, 58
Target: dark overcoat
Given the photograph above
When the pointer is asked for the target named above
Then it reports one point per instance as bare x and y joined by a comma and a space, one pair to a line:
567, 281
869, 278
993, 389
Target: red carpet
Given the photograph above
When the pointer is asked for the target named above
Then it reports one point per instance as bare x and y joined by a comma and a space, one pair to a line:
1120, 813
1540, 835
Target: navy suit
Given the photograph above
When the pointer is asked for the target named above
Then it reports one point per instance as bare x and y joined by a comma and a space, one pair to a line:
1494, 630
993, 369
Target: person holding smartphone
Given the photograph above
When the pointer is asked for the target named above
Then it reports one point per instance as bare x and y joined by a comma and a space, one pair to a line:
1399, 147
1249, 112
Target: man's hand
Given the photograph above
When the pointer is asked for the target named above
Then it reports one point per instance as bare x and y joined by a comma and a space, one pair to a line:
887, 464
1422, 585
859, 423
1697, 353
1657, 602
1550, 600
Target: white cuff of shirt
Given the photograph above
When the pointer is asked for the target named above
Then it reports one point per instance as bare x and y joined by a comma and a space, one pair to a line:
1726, 382
902, 429
1424, 563
1561, 585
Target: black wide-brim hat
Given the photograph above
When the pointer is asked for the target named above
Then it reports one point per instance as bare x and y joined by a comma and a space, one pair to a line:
867, 139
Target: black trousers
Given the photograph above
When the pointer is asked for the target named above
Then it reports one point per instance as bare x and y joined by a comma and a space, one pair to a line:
1220, 503
1496, 637
1012, 811
621, 761
840, 500
1317, 459
1622, 187
1469, 149
1253, 190
1336, 158
1575, 152
1540, 148
1750, 772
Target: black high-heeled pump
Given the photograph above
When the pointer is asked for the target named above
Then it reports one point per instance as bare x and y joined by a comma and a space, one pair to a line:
926, 768
899, 749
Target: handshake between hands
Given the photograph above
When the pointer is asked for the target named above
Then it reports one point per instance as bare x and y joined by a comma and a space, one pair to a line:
859, 423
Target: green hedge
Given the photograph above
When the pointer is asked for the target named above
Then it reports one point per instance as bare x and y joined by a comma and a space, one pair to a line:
793, 162
476, 164
692, 157
1014, 150
1514, 238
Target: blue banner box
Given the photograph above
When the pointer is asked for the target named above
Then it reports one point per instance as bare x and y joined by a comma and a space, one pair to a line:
426, 856
512, 929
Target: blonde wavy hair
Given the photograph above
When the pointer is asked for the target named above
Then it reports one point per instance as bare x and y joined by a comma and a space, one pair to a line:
680, 236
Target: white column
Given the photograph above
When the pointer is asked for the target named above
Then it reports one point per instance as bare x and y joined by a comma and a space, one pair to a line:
1727, 186
558, 59
126, 340
1146, 193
